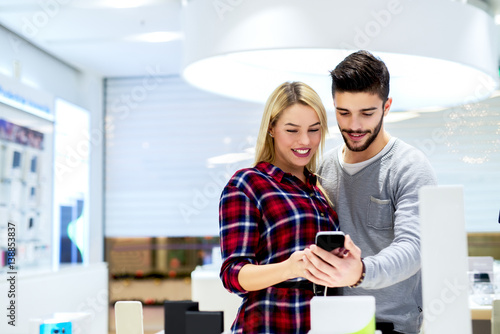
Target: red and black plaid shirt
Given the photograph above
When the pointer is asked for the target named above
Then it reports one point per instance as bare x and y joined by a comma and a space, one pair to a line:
265, 215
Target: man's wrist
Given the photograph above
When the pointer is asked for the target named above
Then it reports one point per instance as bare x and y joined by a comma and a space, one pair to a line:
362, 277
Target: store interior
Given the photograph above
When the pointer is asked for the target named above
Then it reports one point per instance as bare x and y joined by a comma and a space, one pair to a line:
113, 155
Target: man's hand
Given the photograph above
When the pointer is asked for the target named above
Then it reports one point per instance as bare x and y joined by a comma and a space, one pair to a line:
341, 267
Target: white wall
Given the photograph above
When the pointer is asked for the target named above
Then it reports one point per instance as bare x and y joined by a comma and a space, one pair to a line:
92, 90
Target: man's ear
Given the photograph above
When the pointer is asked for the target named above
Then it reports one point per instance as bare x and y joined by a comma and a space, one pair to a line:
387, 106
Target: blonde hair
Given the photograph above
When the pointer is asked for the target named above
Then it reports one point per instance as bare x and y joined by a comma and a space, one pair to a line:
286, 95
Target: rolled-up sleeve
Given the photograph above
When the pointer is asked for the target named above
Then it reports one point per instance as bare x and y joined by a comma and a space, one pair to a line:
239, 235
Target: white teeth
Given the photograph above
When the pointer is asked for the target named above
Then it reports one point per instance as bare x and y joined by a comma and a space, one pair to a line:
302, 151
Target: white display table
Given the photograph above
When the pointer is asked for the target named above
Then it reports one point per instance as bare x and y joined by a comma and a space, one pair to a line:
74, 289
208, 291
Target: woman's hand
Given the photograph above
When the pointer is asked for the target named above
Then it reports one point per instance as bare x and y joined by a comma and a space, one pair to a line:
341, 267
295, 265
257, 277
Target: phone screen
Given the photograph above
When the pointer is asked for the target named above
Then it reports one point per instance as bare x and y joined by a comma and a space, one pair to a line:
330, 240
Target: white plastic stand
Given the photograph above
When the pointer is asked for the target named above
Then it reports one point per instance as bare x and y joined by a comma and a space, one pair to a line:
445, 283
128, 317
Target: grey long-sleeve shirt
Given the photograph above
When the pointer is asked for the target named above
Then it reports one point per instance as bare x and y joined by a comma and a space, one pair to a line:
378, 208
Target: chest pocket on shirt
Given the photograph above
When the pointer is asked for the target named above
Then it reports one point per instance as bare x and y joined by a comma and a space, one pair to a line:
380, 214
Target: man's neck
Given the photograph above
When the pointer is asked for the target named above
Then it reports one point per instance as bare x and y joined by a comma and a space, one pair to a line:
352, 157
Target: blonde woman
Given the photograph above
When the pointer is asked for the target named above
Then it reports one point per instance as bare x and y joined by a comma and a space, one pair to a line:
270, 213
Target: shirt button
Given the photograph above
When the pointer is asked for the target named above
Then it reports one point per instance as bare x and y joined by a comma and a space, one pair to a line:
322, 214
311, 194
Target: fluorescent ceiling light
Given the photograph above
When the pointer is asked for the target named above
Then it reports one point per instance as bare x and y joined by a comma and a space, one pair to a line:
247, 50
5, 71
123, 3
495, 94
119, 4
394, 117
155, 37
231, 158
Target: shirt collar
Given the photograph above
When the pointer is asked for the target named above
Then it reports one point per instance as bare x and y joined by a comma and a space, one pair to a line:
277, 174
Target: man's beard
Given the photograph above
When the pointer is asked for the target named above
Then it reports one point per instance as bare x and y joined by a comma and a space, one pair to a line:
368, 142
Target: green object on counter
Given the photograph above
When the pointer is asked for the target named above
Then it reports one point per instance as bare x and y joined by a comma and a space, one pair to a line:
369, 328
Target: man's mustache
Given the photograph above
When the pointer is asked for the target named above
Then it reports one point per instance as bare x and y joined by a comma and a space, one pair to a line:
357, 132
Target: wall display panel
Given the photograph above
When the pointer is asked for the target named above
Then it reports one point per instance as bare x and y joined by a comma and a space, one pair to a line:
25, 185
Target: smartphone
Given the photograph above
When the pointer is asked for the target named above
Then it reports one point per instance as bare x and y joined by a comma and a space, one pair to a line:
329, 240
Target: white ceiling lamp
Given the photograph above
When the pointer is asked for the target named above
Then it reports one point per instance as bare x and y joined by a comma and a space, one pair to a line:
117, 3
440, 53
155, 37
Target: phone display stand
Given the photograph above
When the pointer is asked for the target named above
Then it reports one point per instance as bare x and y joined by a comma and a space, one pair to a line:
13, 161
481, 280
128, 317
207, 289
31, 166
206, 322
175, 315
443, 240
342, 315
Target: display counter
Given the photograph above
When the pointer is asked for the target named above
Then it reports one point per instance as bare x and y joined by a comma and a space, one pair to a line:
40, 293
208, 291
480, 312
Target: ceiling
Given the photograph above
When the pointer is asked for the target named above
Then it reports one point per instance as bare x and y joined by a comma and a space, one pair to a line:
101, 36
108, 37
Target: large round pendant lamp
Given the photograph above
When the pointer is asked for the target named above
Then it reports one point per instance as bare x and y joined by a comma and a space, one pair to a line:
440, 53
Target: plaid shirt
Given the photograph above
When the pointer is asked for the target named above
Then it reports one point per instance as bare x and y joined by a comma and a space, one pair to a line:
265, 215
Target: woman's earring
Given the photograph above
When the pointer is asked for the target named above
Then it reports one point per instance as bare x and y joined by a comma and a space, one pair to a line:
270, 134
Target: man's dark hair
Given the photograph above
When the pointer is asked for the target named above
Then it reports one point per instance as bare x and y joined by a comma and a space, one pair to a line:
361, 72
